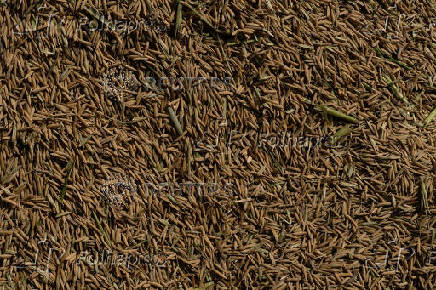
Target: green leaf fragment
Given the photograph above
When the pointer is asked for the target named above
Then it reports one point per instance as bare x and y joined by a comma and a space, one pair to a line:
394, 88
430, 117
337, 114
341, 133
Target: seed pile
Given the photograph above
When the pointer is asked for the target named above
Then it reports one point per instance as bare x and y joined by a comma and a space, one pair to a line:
81, 140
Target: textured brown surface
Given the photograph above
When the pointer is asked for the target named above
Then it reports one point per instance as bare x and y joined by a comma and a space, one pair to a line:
90, 160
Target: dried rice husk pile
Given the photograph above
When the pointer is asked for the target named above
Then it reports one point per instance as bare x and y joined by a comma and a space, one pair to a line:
91, 159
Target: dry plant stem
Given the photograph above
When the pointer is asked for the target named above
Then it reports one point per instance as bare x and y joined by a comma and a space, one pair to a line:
175, 120
188, 157
424, 198
69, 169
178, 18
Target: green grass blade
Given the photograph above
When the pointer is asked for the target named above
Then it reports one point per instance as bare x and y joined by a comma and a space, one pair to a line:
337, 114
430, 117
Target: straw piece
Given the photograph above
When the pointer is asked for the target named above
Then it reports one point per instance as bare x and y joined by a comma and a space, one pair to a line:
178, 18
175, 120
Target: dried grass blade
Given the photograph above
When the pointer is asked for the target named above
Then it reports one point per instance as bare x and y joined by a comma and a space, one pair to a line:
424, 201
176, 122
178, 18
69, 169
